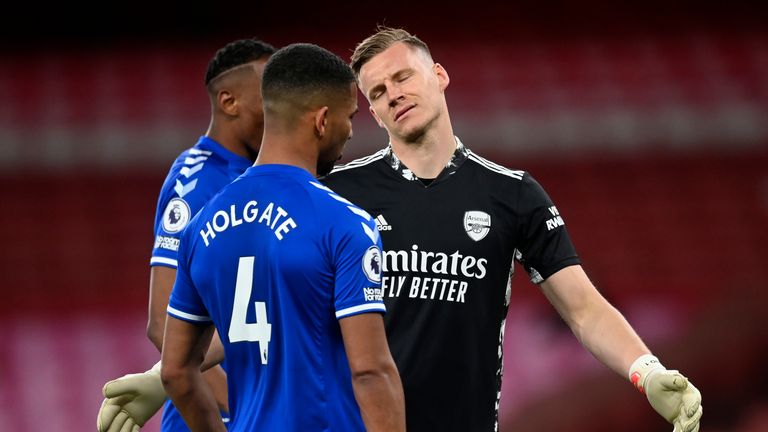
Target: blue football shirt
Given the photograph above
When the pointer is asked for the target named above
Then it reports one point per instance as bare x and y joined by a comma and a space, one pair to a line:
195, 176
274, 261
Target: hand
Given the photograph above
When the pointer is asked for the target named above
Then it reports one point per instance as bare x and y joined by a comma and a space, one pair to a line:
669, 393
674, 398
130, 401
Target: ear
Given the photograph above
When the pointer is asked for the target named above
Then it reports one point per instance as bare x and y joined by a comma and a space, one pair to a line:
320, 120
442, 76
227, 102
375, 117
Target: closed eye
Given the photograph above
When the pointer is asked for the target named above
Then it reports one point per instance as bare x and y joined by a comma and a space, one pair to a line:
403, 76
376, 92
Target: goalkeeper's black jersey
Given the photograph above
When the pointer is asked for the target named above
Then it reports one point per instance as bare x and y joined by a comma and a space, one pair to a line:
448, 257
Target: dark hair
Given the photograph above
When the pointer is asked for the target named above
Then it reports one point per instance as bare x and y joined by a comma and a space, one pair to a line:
378, 42
303, 69
236, 54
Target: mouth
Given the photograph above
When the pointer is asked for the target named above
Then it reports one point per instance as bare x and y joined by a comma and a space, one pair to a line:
400, 113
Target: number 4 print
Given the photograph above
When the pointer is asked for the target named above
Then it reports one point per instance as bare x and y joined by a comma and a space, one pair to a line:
239, 330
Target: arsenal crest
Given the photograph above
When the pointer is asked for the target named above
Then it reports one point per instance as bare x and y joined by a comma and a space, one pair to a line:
477, 224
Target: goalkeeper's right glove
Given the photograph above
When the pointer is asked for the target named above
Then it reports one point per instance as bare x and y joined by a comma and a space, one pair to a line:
671, 394
130, 401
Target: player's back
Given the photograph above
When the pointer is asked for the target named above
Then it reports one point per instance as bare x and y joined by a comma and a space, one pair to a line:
265, 257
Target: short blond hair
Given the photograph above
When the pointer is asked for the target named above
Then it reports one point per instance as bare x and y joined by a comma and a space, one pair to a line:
378, 42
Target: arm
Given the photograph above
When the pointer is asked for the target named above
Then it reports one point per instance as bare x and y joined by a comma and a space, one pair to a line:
184, 350
161, 281
610, 338
375, 379
134, 398
596, 324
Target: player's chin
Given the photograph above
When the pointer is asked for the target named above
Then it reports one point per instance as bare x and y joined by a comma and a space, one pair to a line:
413, 134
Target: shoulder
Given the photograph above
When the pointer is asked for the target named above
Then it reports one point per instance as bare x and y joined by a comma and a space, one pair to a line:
492, 169
327, 197
203, 165
501, 181
196, 175
358, 163
354, 168
357, 178
336, 210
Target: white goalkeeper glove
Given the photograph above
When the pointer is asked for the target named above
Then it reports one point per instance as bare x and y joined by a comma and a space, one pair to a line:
669, 392
130, 401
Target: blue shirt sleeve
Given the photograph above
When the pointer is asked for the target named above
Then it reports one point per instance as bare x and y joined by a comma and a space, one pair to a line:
185, 302
191, 182
358, 262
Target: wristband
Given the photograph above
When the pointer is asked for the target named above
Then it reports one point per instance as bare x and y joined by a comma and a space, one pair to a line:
641, 368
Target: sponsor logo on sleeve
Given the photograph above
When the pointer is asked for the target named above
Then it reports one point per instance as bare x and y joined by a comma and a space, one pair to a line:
166, 242
176, 215
373, 294
556, 221
372, 264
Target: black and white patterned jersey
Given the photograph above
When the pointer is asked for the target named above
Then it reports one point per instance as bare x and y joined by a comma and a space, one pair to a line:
449, 248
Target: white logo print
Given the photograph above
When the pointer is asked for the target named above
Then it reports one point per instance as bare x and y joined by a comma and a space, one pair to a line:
382, 224
477, 224
176, 215
372, 264
556, 221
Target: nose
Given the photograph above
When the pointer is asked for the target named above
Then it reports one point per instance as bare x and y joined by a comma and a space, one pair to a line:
394, 94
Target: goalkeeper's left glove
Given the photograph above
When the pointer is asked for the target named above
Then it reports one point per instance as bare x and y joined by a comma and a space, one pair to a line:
130, 401
669, 392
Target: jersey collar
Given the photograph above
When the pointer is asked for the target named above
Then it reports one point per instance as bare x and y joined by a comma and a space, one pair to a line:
232, 159
459, 156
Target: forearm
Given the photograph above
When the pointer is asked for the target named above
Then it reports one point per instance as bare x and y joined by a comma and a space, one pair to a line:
184, 347
379, 395
375, 380
609, 337
214, 355
596, 323
194, 400
213, 374
613, 341
155, 332
161, 281
216, 379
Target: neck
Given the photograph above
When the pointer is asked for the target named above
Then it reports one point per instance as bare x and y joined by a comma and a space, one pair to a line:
287, 150
427, 156
229, 141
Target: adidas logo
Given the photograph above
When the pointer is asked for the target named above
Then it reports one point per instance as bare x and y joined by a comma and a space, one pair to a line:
382, 224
